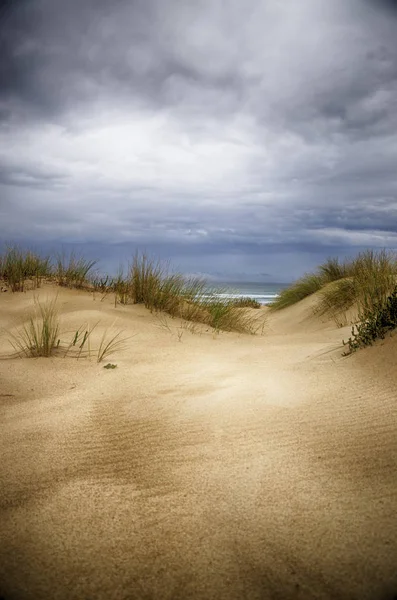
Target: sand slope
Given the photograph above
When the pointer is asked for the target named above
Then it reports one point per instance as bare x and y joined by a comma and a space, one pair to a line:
211, 467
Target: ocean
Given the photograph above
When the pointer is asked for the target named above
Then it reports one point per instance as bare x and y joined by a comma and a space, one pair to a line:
264, 293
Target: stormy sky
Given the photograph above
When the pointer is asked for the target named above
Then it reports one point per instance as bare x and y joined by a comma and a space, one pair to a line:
242, 139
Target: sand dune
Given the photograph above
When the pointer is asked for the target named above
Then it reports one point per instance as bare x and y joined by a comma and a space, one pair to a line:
203, 467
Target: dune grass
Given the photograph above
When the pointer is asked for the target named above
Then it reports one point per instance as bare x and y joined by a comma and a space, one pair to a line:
303, 287
333, 270
374, 324
110, 343
149, 281
330, 271
72, 271
152, 284
17, 266
39, 336
246, 302
372, 277
365, 282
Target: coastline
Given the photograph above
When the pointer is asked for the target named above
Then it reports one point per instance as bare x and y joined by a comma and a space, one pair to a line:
264, 293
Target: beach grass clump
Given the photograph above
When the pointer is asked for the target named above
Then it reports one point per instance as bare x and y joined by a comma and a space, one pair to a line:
101, 283
73, 271
169, 294
375, 277
305, 286
336, 298
373, 324
118, 285
371, 279
145, 277
330, 271
224, 316
333, 270
121, 286
17, 266
365, 281
151, 283
221, 313
246, 302
39, 336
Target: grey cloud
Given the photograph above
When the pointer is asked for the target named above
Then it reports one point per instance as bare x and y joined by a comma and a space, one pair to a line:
258, 128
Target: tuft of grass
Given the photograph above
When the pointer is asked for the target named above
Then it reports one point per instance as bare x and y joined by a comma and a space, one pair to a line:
101, 283
372, 278
72, 271
333, 270
221, 313
305, 286
110, 343
152, 284
146, 275
17, 266
366, 281
336, 298
375, 277
121, 288
149, 282
374, 324
246, 302
39, 335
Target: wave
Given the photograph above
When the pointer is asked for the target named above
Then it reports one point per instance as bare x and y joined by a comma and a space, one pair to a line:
261, 298
246, 295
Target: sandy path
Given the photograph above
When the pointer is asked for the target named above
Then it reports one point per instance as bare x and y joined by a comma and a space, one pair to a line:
235, 467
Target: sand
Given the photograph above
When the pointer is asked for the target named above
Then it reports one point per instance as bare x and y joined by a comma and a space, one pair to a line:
204, 466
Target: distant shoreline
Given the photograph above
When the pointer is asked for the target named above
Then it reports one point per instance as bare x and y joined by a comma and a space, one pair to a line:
264, 293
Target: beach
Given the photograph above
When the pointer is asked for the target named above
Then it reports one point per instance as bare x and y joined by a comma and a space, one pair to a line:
204, 466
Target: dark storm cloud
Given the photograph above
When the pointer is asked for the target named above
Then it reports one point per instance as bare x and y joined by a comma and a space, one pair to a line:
57, 55
247, 129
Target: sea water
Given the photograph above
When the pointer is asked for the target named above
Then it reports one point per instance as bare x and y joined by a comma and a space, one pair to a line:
264, 293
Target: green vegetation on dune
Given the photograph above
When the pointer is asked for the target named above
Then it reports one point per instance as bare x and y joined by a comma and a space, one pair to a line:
374, 324
149, 281
17, 266
330, 271
40, 336
305, 286
366, 281
152, 284
72, 271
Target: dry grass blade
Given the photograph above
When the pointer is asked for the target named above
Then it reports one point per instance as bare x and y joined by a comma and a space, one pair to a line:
80, 343
110, 345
